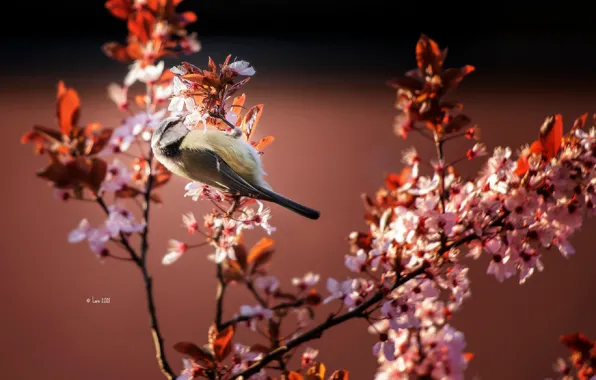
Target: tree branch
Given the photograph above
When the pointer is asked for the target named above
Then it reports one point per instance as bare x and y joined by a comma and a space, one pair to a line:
278, 307
317, 331
141, 263
221, 282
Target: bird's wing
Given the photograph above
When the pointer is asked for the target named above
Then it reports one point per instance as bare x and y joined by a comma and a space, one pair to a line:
220, 174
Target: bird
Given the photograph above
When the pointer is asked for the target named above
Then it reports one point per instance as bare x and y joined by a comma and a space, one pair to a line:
218, 159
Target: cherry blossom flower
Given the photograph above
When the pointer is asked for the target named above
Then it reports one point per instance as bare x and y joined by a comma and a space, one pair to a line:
269, 284
190, 222
308, 357
117, 177
338, 290
260, 217
256, 313
242, 68
197, 191
307, 281
118, 95
80, 233
143, 73
122, 220
175, 251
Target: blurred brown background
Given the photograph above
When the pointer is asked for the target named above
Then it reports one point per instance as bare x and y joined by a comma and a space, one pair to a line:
327, 104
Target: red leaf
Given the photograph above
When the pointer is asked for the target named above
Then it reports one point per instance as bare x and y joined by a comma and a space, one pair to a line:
452, 77
341, 374
316, 372
293, 375
260, 254
100, 141
195, 352
428, 56
577, 342
580, 122
241, 256
119, 8
128, 192
116, 51
67, 110
141, 25
57, 173
186, 18
161, 176
551, 136
263, 143
458, 122
408, 83
222, 346
250, 121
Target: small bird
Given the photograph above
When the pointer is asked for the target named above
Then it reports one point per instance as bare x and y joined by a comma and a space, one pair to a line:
224, 161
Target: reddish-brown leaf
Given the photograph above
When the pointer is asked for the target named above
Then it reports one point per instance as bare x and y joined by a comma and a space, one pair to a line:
250, 121
428, 56
293, 375
551, 136
119, 8
580, 122
97, 174
117, 51
241, 256
260, 254
457, 123
57, 173
451, 78
99, 141
316, 372
408, 83
263, 143
577, 342
186, 18
360, 240
67, 110
193, 351
222, 345
341, 374
236, 107
212, 66
128, 192
161, 176
141, 24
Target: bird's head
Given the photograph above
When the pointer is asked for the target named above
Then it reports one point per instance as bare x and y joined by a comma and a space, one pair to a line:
168, 136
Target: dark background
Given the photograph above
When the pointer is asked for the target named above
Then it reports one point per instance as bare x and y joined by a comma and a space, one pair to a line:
321, 73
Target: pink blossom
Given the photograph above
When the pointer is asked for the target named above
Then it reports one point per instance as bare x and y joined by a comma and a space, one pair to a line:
269, 284
175, 251
256, 313
242, 68
307, 281
190, 223
122, 220
197, 191
117, 177
118, 95
357, 263
308, 357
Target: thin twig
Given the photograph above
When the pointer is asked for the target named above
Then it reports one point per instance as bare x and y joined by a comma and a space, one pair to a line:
281, 306
221, 282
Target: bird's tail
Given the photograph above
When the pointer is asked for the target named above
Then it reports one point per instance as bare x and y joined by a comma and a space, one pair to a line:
274, 197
